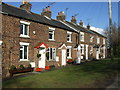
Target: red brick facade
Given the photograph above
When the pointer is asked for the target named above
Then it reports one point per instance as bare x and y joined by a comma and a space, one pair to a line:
39, 33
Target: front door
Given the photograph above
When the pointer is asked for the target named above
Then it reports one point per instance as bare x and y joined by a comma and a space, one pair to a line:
42, 58
86, 52
63, 57
97, 53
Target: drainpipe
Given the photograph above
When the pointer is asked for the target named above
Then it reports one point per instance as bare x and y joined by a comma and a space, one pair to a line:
78, 50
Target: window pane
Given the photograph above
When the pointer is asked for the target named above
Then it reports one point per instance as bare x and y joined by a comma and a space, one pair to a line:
68, 37
51, 53
50, 34
21, 53
25, 52
54, 53
67, 52
26, 29
21, 28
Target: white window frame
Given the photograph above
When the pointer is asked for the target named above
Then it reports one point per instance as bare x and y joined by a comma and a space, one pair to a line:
1, 42
70, 38
53, 57
25, 23
82, 48
82, 36
24, 44
91, 38
103, 41
53, 32
91, 50
70, 52
98, 40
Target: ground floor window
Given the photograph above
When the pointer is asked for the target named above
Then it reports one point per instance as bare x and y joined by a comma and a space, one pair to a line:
51, 54
24, 52
82, 49
69, 52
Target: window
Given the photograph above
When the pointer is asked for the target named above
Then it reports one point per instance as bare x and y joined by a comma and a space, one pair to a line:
23, 51
51, 54
69, 52
82, 49
51, 33
82, 36
98, 40
69, 36
91, 50
24, 29
91, 38
103, 41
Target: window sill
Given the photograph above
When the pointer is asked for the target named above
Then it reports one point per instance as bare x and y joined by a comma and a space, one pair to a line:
69, 41
23, 60
24, 36
51, 60
51, 39
69, 57
82, 40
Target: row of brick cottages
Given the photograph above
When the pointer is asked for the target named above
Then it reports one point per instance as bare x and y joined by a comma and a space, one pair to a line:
26, 35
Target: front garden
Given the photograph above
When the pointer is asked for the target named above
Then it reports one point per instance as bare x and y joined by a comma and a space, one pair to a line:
93, 74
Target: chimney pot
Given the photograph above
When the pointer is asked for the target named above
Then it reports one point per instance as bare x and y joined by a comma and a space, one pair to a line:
46, 12
61, 16
26, 5
88, 27
73, 19
81, 23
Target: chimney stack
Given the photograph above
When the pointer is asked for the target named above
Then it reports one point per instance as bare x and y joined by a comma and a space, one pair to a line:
73, 19
81, 23
61, 16
46, 11
88, 27
26, 5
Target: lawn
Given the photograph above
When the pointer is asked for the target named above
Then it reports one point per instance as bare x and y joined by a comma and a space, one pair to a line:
89, 75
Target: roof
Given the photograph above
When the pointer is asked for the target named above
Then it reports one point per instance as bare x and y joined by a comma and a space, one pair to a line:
20, 13
17, 12
78, 27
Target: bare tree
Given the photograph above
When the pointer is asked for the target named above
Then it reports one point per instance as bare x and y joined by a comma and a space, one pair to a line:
115, 39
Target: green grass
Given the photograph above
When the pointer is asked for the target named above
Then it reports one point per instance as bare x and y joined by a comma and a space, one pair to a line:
77, 76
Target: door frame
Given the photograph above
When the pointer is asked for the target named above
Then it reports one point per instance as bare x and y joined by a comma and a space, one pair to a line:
40, 59
87, 52
63, 55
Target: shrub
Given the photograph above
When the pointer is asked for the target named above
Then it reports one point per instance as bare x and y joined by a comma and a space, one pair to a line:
21, 67
12, 67
29, 66
38, 55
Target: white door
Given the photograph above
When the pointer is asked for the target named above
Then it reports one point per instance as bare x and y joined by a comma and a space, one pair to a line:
86, 52
63, 57
41, 62
104, 52
97, 53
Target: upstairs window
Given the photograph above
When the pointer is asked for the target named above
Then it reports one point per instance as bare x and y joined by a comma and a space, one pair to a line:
98, 40
91, 38
69, 36
24, 29
51, 33
82, 36
103, 41
51, 54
